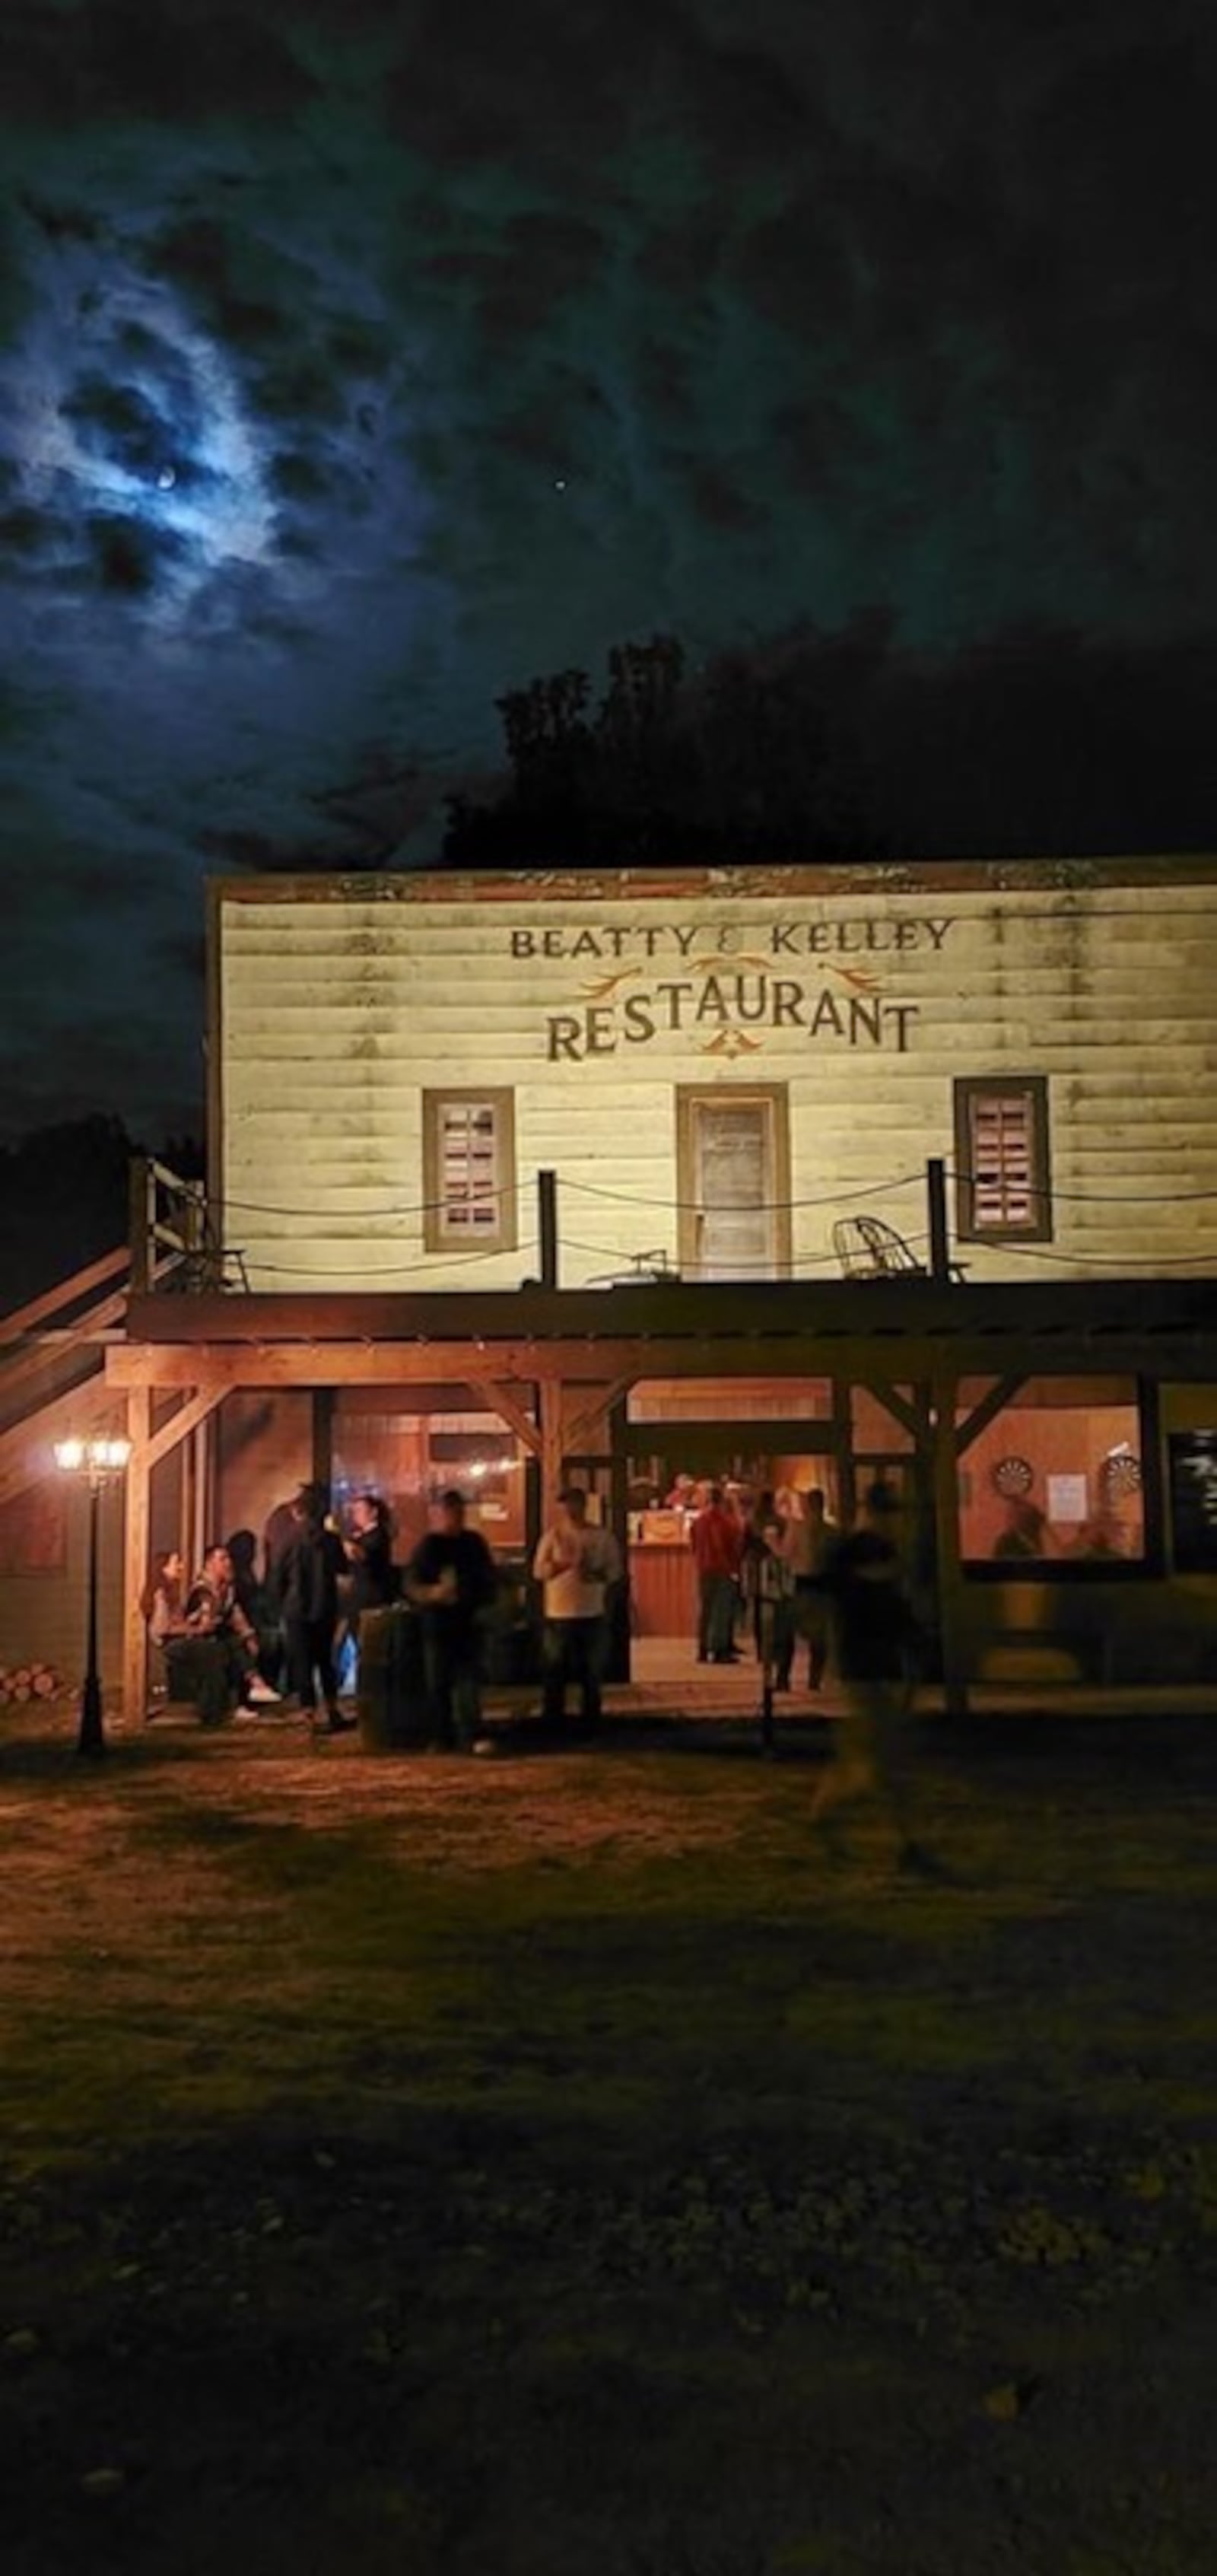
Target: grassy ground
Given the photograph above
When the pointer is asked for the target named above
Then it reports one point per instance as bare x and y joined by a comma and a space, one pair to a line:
549, 2165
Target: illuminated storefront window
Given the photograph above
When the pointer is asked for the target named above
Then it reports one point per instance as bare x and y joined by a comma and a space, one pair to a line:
1056, 1477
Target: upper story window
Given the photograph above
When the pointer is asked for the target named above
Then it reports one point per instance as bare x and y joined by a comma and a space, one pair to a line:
469, 1171
1003, 1182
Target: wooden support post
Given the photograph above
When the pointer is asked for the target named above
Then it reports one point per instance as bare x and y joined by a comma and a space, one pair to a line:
547, 1227
946, 1536
135, 1556
201, 1484
553, 1446
323, 1438
936, 1194
140, 1185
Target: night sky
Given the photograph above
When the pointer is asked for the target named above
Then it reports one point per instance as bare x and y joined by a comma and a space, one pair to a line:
362, 359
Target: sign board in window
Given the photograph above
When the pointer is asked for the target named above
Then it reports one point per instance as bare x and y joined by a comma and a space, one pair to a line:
1193, 1476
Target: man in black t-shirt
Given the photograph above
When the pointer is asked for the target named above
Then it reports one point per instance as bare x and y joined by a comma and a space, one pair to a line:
305, 1581
874, 1630
451, 1579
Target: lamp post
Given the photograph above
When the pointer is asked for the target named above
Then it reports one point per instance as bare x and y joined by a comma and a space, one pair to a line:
100, 1462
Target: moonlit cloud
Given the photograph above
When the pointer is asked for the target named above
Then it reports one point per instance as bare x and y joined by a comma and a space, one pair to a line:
362, 357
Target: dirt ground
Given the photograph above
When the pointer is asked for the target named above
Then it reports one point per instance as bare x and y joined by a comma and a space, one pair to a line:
510, 2169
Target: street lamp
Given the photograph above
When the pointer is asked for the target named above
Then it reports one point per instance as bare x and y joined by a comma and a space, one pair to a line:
102, 1462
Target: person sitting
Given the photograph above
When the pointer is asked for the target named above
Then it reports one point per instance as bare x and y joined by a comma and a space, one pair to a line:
1099, 1538
163, 1605
213, 1659
1025, 1533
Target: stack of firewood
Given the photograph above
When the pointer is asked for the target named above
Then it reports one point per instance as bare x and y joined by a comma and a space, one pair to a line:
28, 1681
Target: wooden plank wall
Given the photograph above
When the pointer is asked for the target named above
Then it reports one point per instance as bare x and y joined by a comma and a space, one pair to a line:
338, 1006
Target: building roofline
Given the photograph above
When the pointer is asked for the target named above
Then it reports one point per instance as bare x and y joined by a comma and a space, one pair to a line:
838, 882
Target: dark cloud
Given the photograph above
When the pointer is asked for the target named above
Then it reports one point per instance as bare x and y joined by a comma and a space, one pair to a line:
174, 62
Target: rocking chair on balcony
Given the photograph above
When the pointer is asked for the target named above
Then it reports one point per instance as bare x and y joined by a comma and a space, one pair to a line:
868, 1248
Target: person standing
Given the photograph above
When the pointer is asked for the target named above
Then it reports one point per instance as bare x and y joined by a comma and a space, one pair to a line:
768, 1587
451, 1579
306, 1578
576, 1565
807, 1546
716, 1538
369, 1550
874, 1629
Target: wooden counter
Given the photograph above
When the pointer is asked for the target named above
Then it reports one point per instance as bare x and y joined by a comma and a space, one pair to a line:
663, 1591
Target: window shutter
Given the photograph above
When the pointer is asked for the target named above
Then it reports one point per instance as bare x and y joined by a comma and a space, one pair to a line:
1004, 1179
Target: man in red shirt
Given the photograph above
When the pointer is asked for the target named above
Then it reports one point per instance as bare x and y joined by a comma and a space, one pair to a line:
717, 1541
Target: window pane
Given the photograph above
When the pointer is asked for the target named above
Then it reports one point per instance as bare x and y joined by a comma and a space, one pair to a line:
1056, 1476
469, 1173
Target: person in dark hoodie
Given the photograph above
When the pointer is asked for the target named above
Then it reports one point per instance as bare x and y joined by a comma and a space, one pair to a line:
305, 1577
374, 1581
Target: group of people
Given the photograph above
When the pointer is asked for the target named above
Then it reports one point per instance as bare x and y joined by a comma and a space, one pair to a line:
230, 1639
796, 1574
233, 1639
768, 1569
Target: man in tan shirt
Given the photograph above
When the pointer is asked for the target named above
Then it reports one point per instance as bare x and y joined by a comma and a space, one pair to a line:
576, 1565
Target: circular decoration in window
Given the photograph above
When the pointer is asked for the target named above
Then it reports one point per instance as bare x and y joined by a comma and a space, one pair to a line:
1120, 1474
1013, 1477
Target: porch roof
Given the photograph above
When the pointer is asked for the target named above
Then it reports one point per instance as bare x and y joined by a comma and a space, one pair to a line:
899, 1325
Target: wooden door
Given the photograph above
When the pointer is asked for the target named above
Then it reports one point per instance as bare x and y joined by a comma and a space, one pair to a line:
733, 1187
733, 1168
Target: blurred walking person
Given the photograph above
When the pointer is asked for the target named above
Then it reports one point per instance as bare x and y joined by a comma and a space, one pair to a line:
874, 1630
809, 1543
451, 1579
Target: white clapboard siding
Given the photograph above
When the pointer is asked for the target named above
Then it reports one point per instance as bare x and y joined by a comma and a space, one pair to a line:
341, 1002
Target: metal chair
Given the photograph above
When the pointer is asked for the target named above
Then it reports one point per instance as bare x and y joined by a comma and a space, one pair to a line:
867, 1248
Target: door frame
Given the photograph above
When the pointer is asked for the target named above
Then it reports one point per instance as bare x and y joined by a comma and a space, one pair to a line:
775, 1098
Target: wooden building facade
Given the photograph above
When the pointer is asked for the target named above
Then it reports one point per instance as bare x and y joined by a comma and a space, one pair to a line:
521, 1179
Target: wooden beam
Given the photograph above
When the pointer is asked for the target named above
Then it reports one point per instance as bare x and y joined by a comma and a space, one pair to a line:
135, 1554
606, 1398
911, 1417
72, 1338
987, 1410
13, 1327
1189, 1355
180, 1424
501, 1401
